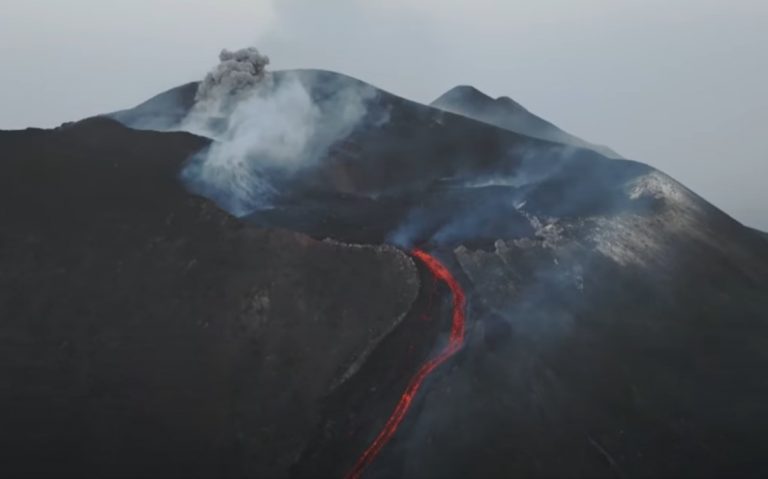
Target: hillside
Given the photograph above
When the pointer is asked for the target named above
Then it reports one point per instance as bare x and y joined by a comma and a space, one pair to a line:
507, 113
259, 311
147, 333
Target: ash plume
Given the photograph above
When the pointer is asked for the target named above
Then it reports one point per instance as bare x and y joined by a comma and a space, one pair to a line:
266, 127
237, 73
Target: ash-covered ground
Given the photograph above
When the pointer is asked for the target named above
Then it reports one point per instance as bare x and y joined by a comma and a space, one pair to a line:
216, 283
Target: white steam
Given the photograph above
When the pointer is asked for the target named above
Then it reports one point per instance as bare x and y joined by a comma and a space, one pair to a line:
266, 127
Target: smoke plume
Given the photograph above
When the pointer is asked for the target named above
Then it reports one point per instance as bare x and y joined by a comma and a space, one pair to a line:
237, 73
266, 127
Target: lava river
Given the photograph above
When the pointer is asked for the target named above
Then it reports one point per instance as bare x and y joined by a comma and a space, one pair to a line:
455, 341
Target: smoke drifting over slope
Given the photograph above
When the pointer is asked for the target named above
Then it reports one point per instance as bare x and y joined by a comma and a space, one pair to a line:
265, 128
601, 296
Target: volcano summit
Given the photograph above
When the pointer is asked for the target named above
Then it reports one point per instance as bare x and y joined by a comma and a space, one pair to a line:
261, 273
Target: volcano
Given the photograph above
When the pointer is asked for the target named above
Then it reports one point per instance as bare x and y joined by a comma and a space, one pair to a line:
506, 113
157, 322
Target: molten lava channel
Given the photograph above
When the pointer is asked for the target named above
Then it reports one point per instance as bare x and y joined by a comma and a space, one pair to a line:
455, 341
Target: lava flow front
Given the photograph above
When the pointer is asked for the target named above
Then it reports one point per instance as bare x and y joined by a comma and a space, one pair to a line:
455, 340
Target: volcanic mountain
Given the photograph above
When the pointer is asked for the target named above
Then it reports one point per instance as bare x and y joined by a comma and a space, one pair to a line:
164, 316
506, 113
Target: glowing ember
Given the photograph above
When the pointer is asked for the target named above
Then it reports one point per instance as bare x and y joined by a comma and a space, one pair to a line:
455, 340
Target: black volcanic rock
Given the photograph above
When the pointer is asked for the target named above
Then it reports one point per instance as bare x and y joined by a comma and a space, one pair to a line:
145, 332
616, 321
507, 113
646, 363
761, 233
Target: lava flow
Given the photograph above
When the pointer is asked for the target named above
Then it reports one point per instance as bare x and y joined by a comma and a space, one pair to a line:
455, 340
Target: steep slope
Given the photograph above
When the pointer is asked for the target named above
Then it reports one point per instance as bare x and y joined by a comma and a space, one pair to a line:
620, 346
506, 113
147, 333
761, 233
616, 322
401, 153
161, 112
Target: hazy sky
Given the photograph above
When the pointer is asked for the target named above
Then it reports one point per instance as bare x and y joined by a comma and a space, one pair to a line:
679, 84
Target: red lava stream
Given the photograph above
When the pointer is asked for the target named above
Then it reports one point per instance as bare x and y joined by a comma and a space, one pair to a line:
455, 341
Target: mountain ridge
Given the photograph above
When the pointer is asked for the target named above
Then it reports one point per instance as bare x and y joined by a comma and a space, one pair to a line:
506, 113
610, 310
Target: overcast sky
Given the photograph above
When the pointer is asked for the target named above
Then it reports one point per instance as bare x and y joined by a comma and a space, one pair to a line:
678, 84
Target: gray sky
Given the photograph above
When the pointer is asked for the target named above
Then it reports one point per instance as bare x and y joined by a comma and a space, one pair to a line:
678, 84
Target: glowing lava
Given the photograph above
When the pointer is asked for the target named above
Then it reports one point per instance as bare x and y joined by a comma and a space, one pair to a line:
455, 340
